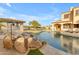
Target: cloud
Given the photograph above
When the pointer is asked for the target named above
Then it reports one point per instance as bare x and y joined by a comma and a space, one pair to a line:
11, 14
12, 17
44, 20
2, 11
38, 18
1, 14
8, 4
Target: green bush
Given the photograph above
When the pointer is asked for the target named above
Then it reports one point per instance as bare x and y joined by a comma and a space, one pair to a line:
44, 42
35, 52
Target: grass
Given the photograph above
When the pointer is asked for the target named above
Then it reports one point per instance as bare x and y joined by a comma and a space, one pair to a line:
35, 52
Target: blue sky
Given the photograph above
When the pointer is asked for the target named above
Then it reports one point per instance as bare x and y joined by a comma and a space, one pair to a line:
45, 13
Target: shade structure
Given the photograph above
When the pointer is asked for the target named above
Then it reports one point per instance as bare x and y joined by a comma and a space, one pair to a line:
11, 20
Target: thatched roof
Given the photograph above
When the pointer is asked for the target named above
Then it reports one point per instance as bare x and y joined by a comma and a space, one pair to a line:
11, 20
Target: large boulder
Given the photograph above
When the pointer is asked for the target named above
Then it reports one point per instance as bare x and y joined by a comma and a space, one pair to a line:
21, 44
7, 42
30, 40
35, 44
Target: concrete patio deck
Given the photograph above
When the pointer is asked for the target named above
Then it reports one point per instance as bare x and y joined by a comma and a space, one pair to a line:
74, 34
49, 50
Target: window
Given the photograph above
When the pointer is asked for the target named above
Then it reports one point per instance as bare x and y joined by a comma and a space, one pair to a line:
66, 26
77, 12
66, 16
76, 25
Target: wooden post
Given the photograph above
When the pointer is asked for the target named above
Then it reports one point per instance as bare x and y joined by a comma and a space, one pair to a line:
11, 31
7, 27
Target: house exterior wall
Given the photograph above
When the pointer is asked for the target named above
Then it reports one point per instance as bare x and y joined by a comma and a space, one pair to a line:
65, 19
53, 27
66, 27
62, 28
73, 17
76, 17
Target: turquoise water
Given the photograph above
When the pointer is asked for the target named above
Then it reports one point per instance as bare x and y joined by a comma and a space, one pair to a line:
64, 43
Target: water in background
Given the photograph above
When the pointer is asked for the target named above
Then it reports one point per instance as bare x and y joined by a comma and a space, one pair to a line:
64, 43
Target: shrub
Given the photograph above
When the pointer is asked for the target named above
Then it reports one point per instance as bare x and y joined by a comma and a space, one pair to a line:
44, 42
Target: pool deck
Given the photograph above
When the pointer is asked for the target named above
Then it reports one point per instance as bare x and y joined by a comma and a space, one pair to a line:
49, 50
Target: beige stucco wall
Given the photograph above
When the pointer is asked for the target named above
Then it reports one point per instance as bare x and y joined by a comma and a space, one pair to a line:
75, 20
66, 19
65, 29
62, 29
76, 17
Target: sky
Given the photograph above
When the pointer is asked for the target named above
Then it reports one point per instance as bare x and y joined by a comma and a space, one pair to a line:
44, 13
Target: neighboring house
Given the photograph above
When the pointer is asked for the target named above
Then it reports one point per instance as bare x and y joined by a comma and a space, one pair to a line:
6, 24
69, 21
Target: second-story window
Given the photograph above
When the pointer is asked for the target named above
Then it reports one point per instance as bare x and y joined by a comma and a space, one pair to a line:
77, 12
66, 16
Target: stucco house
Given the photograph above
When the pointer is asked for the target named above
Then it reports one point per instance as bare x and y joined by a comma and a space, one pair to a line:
69, 21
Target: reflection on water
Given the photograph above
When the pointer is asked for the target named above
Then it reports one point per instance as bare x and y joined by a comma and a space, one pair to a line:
70, 44
64, 43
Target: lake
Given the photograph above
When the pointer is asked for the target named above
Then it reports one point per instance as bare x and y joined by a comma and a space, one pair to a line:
61, 42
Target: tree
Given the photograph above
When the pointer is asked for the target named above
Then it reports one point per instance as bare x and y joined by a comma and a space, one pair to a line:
34, 24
